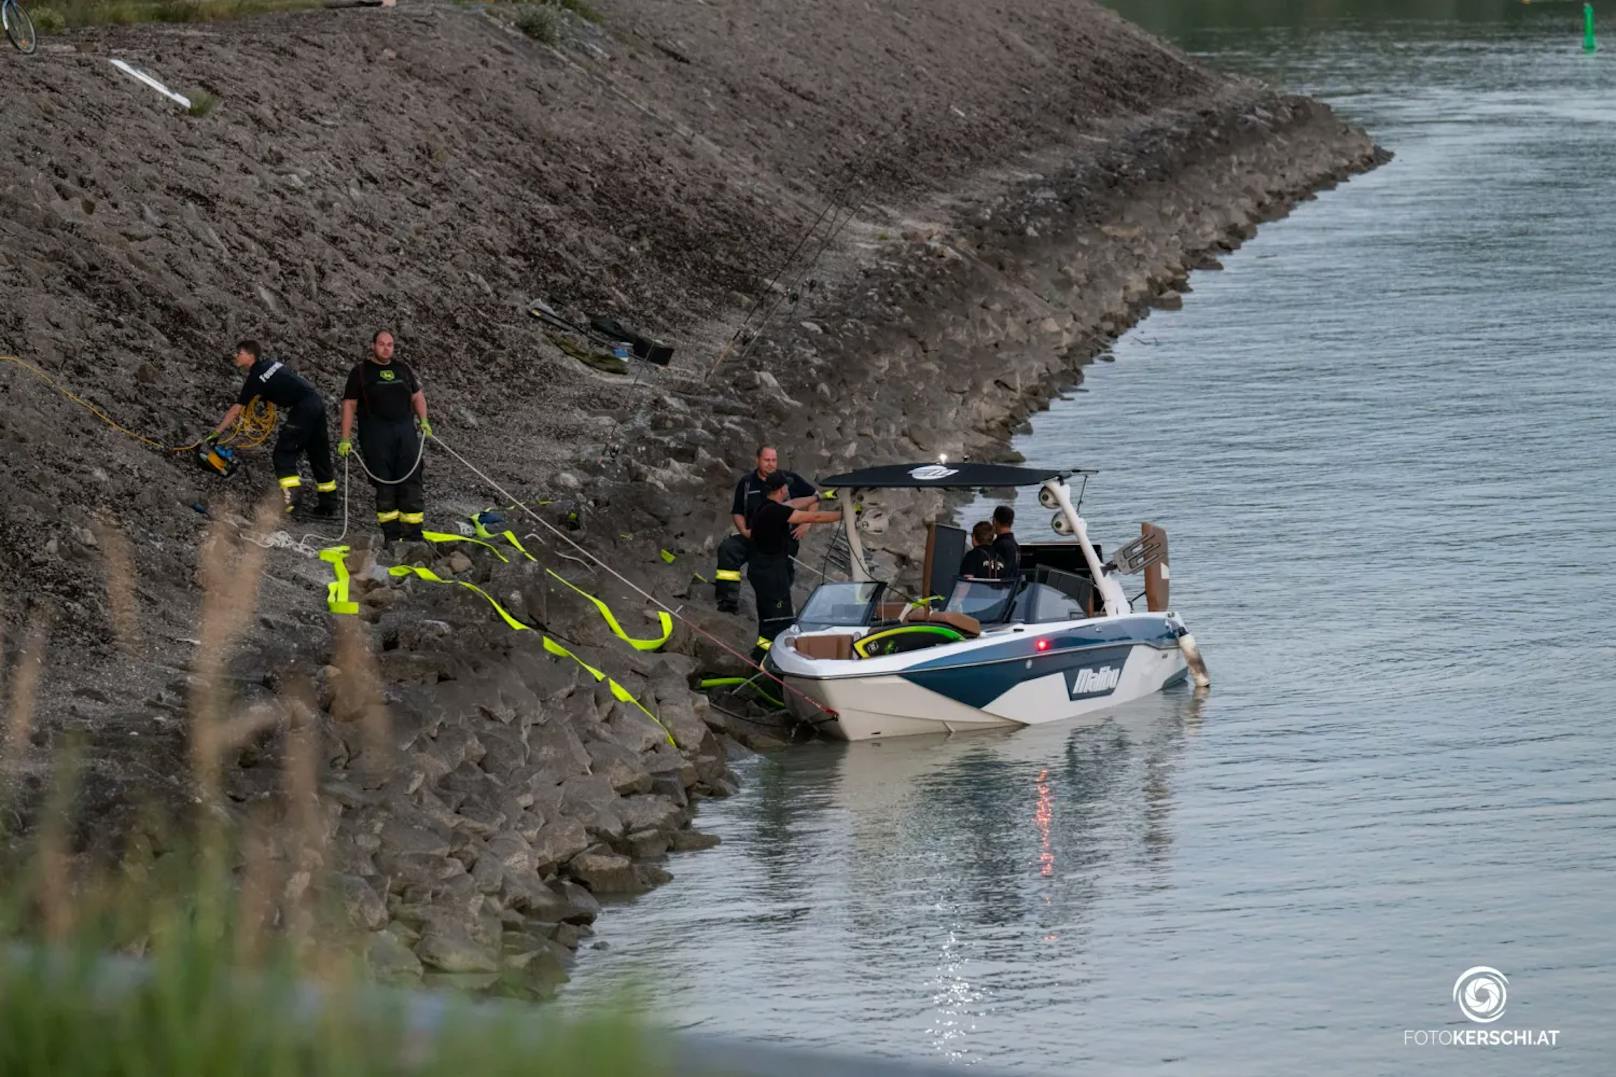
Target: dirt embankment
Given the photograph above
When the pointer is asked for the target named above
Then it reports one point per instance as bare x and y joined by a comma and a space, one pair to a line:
1021, 185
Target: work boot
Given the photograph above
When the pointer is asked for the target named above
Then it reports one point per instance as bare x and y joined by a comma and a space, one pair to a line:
326, 505
391, 531
412, 533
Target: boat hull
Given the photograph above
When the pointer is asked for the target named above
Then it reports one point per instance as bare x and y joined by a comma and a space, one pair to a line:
1049, 675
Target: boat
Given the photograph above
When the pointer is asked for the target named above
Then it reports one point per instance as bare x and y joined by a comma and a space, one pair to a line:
1057, 639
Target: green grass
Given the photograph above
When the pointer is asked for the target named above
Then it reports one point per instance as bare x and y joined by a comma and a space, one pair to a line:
540, 22
202, 103
72, 13
581, 9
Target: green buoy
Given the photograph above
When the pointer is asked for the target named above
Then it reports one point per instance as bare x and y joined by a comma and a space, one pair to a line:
1588, 42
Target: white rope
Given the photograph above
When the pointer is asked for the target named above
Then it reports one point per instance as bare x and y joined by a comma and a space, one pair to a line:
283, 540
420, 451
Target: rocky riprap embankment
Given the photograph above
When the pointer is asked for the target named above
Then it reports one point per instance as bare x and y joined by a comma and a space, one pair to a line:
427, 170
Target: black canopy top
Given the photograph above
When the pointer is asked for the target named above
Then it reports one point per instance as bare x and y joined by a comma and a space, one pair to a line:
938, 476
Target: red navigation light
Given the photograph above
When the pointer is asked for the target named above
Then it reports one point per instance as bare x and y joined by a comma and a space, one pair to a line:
1042, 645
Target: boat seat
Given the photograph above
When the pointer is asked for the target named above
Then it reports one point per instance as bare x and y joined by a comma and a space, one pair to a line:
835, 645
904, 613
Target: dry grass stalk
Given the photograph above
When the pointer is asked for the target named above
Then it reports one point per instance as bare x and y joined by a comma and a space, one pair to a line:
24, 693
230, 571
255, 904
56, 907
118, 565
359, 697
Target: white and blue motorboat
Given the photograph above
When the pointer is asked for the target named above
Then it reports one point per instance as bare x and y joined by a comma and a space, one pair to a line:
1057, 639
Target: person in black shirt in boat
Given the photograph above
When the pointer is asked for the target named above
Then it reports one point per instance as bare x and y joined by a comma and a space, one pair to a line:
982, 562
304, 430
386, 397
769, 567
1005, 547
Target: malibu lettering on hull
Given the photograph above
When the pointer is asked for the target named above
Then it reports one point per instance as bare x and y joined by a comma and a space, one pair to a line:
1083, 683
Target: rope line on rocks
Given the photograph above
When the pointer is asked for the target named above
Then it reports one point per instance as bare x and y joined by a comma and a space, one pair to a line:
630, 584
251, 430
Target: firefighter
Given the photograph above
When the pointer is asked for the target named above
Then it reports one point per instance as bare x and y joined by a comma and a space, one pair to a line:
387, 398
773, 525
734, 551
304, 430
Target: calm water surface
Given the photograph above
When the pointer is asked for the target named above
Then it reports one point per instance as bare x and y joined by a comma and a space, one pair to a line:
1383, 443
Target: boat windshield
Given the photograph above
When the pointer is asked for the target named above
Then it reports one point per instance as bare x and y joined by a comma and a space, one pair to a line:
841, 605
1043, 596
987, 600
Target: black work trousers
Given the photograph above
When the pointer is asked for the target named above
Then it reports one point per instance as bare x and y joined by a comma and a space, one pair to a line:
733, 554
771, 583
304, 431
392, 451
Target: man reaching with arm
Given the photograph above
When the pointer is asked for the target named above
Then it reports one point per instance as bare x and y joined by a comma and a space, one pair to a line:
734, 551
769, 568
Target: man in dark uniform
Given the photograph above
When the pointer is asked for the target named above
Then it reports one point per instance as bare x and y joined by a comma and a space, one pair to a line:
387, 398
1005, 547
750, 493
304, 430
769, 566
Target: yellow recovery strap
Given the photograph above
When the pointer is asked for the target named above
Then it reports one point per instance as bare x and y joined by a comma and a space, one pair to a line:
664, 622
550, 646
336, 594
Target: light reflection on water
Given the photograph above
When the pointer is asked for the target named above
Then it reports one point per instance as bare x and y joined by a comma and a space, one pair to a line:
1382, 443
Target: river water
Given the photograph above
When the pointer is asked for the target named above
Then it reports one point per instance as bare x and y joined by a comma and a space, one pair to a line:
1382, 441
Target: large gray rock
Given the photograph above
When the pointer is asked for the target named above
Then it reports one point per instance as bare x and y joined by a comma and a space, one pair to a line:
360, 901
619, 765
449, 945
390, 960
558, 841
606, 873
634, 731
511, 851
646, 844
526, 893
455, 745
592, 801
650, 812
415, 834
555, 750
418, 873
585, 908
685, 841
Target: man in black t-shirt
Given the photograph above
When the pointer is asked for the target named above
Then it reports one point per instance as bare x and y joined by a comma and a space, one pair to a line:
982, 562
304, 430
1005, 546
385, 396
750, 493
772, 526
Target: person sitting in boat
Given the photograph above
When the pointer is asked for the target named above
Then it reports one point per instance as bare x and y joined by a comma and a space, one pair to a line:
982, 561
1004, 541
